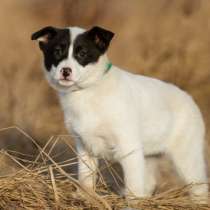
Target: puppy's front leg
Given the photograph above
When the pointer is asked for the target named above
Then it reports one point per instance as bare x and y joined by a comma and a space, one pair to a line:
87, 168
133, 167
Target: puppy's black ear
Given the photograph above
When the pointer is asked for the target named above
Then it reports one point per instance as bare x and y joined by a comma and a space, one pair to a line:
44, 35
101, 37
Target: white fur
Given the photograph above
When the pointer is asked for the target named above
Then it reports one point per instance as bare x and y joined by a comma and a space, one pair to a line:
122, 116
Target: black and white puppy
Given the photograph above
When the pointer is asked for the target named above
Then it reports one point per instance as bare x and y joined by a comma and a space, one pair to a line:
121, 116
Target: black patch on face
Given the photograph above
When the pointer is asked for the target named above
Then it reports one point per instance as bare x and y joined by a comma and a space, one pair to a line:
55, 45
90, 45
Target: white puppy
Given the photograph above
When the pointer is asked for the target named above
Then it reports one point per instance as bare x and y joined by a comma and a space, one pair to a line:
121, 116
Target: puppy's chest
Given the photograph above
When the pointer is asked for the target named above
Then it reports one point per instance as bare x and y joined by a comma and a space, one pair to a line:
88, 125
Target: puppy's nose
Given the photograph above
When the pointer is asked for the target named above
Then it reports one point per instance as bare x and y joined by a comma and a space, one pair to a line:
66, 72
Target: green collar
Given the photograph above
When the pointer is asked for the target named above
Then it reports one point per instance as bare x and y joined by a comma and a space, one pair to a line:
108, 67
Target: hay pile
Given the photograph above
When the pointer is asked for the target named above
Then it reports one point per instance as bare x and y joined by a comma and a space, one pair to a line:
44, 184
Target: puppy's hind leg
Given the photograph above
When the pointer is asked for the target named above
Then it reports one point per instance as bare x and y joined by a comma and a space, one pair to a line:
188, 158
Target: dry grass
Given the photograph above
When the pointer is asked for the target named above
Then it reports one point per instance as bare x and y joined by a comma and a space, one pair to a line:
44, 184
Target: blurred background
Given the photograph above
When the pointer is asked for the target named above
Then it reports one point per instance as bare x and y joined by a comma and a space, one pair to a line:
166, 39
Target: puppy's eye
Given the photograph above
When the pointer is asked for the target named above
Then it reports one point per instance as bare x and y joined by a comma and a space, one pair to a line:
58, 52
82, 53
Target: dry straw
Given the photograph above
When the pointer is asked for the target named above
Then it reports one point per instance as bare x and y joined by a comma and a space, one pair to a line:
43, 184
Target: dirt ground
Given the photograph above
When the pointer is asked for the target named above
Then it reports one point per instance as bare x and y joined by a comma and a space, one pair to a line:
163, 39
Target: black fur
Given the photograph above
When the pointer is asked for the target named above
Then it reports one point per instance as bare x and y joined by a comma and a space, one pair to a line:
56, 46
48, 31
90, 45
87, 47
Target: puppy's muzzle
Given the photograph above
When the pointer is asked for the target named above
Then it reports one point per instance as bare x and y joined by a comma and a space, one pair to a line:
66, 73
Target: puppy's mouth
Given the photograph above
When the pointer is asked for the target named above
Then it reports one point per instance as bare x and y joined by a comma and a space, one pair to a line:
65, 82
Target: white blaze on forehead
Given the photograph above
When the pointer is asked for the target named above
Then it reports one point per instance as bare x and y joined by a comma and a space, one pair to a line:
74, 32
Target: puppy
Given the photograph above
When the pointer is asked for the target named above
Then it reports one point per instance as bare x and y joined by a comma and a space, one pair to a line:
121, 116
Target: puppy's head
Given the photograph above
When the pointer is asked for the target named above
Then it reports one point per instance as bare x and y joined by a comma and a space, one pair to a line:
71, 54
